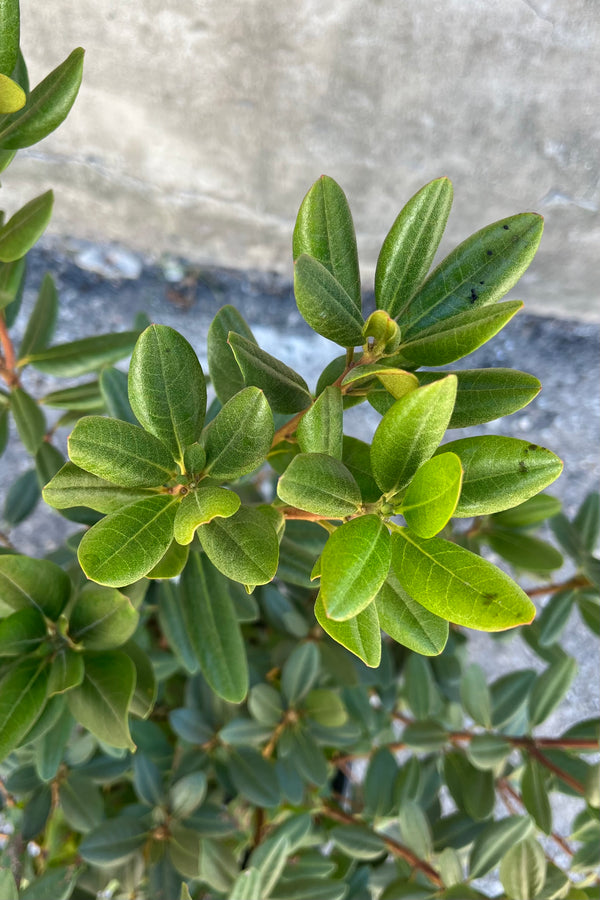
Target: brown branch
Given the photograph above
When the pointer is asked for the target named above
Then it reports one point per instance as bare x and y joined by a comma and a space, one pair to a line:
9, 368
576, 582
552, 767
397, 849
6, 541
506, 790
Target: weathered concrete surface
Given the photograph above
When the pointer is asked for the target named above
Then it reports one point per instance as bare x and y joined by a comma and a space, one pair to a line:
201, 125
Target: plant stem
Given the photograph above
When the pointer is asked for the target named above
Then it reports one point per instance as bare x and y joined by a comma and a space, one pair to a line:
575, 582
8, 360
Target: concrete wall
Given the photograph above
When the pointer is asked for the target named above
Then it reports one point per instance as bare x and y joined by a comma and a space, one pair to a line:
202, 123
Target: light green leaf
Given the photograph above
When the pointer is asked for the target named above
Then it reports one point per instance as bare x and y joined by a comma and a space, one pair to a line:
81, 398
37, 583
357, 842
244, 547
127, 544
324, 303
409, 248
239, 437
167, 390
22, 632
113, 842
324, 230
101, 701
213, 629
458, 585
432, 495
81, 802
102, 618
47, 105
119, 452
25, 228
29, 419
22, 699
487, 751
407, 622
82, 356
171, 564
549, 689
114, 393
187, 794
42, 320
535, 795
194, 459
319, 484
66, 671
22, 497
497, 255
9, 52
308, 887
299, 672
72, 486
8, 885
12, 278
487, 394
475, 695
202, 506
410, 432
146, 687
326, 708
265, 704
225, 374
354, 565
360, 635
185, 850
459, 335
54, 884
286, 391
320, 429
247, 886
500, 472
523, 870
494, 841
415, 828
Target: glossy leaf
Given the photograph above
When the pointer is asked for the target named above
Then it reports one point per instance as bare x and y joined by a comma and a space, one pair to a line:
25, 228
21, 632
354, 565
127, 544
409, 248
458, 585
487, 394
299, 672
286, 391
432, 495
72, 486
407, 622
324, 303
356, 456
213, 629
410, 432
200, 507
324, 230
113, 842
459, 335
500, 472
114, 392
523, 870
29, 419
360, 635
36, 583
493, 842
244, 547
9, 50
101, 701
239, 437
225, 373
549, 689
319, 484
47, 105
102, 618
22, 699
82, 356
320, 429
497, 255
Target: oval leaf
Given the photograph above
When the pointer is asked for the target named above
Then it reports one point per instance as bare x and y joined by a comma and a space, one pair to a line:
407, 622
432, 495
72, 486
225, 374
102, 618
22, 699
36, 583
244, 547
319, 484
101, 702
360, 635
25, 228
325, 305
320, 429
354, 565
83, 356
239, 437
286, 391
200, 507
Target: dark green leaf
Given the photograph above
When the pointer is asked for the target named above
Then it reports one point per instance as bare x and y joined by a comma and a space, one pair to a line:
22, 699
115, 395
549, 689
535, 795
81, 802
409, 248
510, 694
239, 437
42, 320
419, 687
324, 303
9, 52
286, 391
66, 671
524, 551
185, 850
12, 278
82, 356
174, 626
101, 701
22, 632
54, 884
224, 371
472, 789
356, 456
357, 842
310, 888
432, 495
320, 428
102, 618
381, 773
37, 583
301, 545
47, 105
29, 419
407, 622
80, 398
306, 756
319, 484
113, 842
531, 512
415, 829
587, 521
72, 486
187, 794
475, 695
299, 672
354, 564
244, 547
27, 225
147, 780
22, 497
487, 751
253, 776
265, 704
360, 635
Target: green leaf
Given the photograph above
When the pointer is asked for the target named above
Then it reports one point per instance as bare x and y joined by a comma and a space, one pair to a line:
510, 694
531, 512
8, 885
421, 693
265, 704
82, 356
114, 393
244, 547
523, 870
286, 391
225, 374
472, 789
101, 701
147, 780
432, 495
360, 635
494, 841
587, 521
12, 278
113, 842
247, 886
66, 671
22, 699
127, 544
239, 437
167, 390
535, 795
524, 551
475, 695
357, 842
354, 565
500, 472
102, 618
381, 773
410, 432
306, 756
213, 629
324, 230
22, 497
72, 486
9, 52
47, 105
554, 617
310, 888
253, 776
549, 689
458, 585
407, 622
42, 320
320, 428
459, 335
81, 802
25, 228
22, 632
202, 506
356, 456
54, 884
301, 545
187, 794
326, 708
171, 564
487, 394
324, 303
409, 248
486, 751
119, 452
36, 583
299, 672
415, 829
319, 484
80, 398
497, 255
185, 850
29, 419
